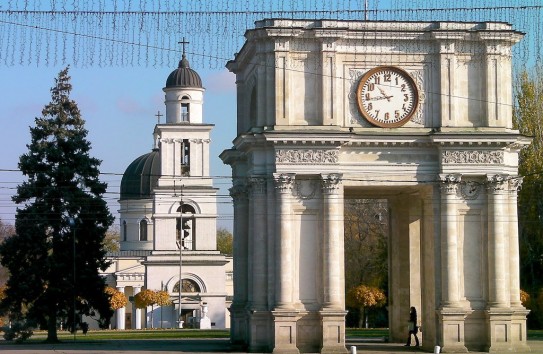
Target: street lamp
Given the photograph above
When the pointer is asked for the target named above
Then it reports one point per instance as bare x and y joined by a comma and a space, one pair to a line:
71, 222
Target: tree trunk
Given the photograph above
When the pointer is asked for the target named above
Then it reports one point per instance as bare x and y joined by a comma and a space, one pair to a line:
52, 329
362, 317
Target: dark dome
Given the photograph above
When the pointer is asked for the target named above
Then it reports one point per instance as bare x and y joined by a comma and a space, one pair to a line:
141, 176
184, 76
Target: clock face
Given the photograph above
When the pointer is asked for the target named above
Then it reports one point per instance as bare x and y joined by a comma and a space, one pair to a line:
387, 97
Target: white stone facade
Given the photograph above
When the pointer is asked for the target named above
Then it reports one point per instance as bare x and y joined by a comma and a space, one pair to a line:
165, 195
449, 174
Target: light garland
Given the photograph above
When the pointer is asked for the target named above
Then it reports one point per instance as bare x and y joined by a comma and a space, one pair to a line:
145, 32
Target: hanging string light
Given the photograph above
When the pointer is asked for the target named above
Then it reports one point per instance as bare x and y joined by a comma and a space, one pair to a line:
145, 32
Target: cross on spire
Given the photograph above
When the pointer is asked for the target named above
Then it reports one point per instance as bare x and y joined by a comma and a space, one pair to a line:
158, 115
183, 42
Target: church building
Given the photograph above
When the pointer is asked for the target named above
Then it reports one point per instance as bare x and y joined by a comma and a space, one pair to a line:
168, 202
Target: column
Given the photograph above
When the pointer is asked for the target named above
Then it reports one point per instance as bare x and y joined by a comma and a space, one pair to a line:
451, 314
238, 315
257, 242
449, 241
498, 286
332, 252
332, 312
120, 313
514, 256
285, 257
137, 312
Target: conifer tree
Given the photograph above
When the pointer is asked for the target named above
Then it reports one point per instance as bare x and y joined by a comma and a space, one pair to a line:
53, 262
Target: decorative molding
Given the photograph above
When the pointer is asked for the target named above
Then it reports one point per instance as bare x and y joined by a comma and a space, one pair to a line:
306, 156
497, 183
238, 191
470, 190
305, 189
472, 157
450, 182
284, 182
331, 183
167, 140
257, 185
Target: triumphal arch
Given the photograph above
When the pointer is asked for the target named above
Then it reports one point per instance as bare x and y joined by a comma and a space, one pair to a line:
417, 113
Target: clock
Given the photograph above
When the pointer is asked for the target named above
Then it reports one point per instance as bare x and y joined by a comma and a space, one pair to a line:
387, 96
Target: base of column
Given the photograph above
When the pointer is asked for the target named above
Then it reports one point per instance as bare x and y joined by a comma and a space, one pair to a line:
452, 330
238, 328
285, 331
333, 331
260, 332
507, 330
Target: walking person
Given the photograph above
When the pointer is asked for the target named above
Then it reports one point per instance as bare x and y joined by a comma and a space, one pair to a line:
412, 326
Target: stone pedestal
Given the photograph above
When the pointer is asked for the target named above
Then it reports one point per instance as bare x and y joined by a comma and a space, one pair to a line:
333, 331
285, 331
506, 330
452, 330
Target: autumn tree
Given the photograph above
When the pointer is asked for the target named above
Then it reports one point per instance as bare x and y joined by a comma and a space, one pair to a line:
111, 240
145, 298
117, 299
162, 299
51, 259
528, 118
225, 241
365, 297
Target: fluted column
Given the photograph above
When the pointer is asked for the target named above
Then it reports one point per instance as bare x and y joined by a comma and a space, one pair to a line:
120, 313
449, 241
514, 256
137, 311
497, 262
332, 252
285, 247
257, 242
238, 320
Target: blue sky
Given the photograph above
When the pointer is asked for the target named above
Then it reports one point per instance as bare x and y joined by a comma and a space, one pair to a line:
119, 106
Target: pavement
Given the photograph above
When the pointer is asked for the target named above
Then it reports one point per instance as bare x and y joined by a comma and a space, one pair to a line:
167, 346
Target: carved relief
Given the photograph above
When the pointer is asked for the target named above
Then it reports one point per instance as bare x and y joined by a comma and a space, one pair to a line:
307, 156
449, 183
497, 183
284, 182
306, 189
331, 182
515, 184
472, 157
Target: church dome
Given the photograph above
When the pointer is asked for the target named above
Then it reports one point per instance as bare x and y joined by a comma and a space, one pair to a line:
141, 176
184, 76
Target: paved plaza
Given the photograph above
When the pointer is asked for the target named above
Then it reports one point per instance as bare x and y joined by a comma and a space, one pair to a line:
166, 346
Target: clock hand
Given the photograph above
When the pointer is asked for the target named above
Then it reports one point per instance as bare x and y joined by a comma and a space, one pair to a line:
385, 94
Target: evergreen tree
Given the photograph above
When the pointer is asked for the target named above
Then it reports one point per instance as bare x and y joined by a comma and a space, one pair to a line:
53, 262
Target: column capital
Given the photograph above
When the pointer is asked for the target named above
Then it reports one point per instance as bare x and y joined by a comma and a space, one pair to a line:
332, 182
515, 184
284, 182
257, 185
238, 191
450, 182
497, 183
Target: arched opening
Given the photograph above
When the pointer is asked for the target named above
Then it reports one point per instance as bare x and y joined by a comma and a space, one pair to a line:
186, 227
124, 230
143, 230
189, 286
185, 112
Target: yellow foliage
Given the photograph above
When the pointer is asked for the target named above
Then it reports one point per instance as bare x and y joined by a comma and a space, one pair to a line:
366, 296
117, 299
3, 292
524, 298
145, 298
163, 298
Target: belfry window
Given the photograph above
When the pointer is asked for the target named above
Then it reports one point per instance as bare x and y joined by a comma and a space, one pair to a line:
185, 158
189, 286
143, 230
124, 230
185, 117
186, 228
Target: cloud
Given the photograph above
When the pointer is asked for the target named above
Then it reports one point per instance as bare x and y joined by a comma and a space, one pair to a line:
130, 106
219, 82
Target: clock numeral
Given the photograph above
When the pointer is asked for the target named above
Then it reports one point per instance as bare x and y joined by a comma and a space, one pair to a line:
367, 96
405, 97
371, 86
377, 113
387, 77
396, 114
377, 80
403, 87
387, 116
370, 106
404, 108
397, 82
